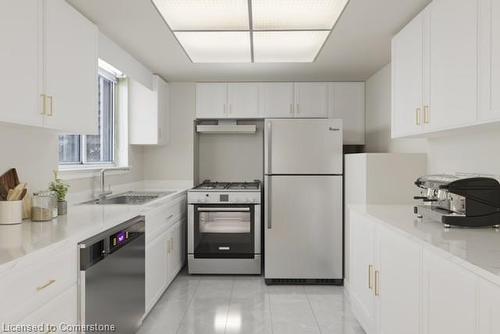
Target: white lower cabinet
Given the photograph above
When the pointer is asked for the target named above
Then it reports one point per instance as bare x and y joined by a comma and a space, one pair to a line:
362, 270
449, 298
384, 278
165, 240
397, 283
156, 269
489, 310
58, 315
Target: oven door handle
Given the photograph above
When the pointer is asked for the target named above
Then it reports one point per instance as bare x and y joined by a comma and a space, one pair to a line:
223, 209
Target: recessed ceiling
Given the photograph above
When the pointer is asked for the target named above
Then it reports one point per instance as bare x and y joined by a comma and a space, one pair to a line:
256, 31
358, 46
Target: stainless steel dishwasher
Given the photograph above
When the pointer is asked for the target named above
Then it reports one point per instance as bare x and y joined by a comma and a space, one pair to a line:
112, 278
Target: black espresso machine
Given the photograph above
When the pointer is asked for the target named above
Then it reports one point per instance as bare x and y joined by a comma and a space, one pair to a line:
459, 201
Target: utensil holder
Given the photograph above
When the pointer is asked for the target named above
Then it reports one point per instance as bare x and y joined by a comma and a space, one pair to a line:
11, 212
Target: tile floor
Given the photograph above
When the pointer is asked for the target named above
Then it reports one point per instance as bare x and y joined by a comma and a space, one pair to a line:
244, 304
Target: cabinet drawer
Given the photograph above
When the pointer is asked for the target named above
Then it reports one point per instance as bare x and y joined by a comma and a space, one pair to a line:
32, 284
58, 315
161, 218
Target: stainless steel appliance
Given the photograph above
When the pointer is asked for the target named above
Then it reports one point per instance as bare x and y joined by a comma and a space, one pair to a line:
224, 228
466, 201
112, 277
303, 201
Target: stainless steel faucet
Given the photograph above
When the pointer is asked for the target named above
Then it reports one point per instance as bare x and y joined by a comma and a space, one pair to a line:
103, 193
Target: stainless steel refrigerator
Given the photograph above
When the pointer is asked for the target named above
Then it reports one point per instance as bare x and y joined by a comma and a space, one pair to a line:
303, 201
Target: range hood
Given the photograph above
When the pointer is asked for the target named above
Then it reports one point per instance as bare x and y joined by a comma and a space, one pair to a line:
226, 127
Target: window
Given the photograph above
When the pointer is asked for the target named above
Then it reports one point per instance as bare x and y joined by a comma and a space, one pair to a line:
94, 149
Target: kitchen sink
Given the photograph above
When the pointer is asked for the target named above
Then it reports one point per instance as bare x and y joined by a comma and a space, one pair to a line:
130, 198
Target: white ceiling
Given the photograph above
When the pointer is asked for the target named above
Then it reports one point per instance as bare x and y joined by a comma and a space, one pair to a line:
358, 46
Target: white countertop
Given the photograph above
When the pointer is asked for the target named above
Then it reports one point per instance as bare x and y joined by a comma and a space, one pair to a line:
81, 222
476, 249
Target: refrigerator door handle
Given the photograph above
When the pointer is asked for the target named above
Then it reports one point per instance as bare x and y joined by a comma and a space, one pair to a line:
269, 132
267, 196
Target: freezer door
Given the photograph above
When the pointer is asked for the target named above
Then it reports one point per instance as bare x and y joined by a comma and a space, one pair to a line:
303, 227
303, 146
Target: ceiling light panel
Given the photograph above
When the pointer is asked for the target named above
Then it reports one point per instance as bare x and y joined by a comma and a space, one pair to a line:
287, 46
296, 14
216, 47
204, 14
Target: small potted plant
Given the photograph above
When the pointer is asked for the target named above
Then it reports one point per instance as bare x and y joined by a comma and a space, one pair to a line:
61, 189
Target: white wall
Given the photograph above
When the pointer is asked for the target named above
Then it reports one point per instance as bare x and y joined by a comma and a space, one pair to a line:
32, 151
175, 160
469, 151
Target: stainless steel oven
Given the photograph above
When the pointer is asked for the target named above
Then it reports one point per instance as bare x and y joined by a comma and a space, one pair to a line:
224, 232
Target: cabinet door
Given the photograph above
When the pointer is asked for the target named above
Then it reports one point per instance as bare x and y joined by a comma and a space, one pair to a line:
63, 309
163, 110
70, 69
276, 100
243, 100
348, 103
398, 283
489, 312
362, 270
156, 269
453, 63
407, 79
20, 61
211, 100
143, 114
489, 59
311, 99
175, 251
449, 299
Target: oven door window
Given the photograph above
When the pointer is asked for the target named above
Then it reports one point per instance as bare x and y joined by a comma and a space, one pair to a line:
224, 231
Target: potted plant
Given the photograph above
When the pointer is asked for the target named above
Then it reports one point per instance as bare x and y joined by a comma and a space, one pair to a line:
61, 189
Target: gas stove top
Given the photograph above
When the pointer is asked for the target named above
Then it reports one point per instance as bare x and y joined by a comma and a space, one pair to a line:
228, 186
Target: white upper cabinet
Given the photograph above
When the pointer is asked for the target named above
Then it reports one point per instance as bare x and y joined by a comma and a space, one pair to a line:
211, 100
407, 80
453, 63
276, 100
49, 77
70, 69
347, 102
149, 113
489, 60
444, 67
243, 100
311, 99
20, 67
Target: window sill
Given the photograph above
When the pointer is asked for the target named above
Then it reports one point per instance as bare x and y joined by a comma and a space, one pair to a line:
84, 172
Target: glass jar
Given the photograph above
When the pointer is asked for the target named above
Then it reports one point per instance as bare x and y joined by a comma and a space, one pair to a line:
44, 206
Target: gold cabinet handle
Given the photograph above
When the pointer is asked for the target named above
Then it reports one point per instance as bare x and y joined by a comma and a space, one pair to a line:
40, 288
417, 116
377, 283
426, 115
370, 277
291, 109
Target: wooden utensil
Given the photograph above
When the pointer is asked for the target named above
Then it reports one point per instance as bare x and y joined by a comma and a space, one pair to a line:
15, 194
3, 192
10, 178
